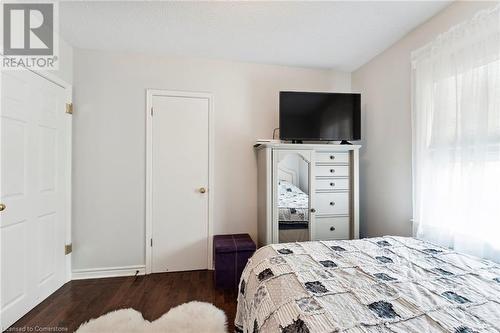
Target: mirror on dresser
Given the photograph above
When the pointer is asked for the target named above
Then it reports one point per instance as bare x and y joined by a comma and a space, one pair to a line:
293, 199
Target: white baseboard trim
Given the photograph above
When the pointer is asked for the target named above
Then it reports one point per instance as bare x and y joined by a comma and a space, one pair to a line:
105, 272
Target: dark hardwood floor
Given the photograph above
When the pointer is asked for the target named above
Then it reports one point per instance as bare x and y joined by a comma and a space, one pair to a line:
152, 295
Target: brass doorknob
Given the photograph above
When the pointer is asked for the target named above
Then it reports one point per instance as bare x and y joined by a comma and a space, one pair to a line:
2, 207
202, 190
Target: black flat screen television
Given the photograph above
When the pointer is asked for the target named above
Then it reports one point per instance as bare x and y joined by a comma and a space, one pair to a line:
312, 116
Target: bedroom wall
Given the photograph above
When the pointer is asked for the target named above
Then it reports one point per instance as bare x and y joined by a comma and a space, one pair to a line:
65, 71
109, 142
386, 156
65, 56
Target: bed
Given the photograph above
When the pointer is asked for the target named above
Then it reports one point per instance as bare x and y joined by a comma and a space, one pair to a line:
385, 284
293, 204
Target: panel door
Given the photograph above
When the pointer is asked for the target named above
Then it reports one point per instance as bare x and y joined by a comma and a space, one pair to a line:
34, 190
180, 168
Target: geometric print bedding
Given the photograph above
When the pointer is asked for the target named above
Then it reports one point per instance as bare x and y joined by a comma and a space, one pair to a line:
372, 285
293, 203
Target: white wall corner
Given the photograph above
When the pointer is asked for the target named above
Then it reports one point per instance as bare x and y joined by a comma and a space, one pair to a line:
340, 81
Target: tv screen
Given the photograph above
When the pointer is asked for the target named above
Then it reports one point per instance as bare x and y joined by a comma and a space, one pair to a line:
320, 116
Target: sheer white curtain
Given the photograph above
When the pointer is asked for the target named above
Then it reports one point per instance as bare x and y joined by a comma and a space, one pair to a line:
456, 137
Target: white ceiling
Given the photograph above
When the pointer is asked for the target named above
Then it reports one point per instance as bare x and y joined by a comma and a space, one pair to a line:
340, 35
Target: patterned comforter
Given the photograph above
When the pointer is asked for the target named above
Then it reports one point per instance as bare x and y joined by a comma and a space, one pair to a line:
386, 284
293, 203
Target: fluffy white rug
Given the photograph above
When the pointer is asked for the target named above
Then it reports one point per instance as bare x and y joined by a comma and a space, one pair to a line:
192, 317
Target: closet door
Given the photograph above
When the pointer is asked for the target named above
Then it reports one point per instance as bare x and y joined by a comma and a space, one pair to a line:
180, 182
34, 192
293, 204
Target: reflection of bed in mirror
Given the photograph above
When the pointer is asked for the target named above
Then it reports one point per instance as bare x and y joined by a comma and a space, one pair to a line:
293, 206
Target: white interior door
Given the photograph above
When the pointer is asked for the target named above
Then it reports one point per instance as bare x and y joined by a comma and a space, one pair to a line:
34, 189
180, 175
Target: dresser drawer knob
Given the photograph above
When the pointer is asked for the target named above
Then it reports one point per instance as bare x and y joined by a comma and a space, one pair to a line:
332, 203
313, 210
332, 157
332, 170
332, 184
332, 228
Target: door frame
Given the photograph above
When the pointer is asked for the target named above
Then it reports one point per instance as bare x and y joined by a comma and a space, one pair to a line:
150, 93
68, 88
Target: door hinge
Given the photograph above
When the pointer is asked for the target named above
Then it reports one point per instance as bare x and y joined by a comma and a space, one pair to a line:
151, 111
68, 248
151, 242
69, 108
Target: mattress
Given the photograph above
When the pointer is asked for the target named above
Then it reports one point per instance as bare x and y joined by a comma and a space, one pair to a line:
386, 284
293, 204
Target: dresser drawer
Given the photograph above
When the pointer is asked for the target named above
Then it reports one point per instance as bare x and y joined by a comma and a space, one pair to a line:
332, 171
332, 184
332, 157
332, 203
326, 228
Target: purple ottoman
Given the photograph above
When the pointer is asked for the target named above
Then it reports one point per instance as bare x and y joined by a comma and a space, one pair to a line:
231, 253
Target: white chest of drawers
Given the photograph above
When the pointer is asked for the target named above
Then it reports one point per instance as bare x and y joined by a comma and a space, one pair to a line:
331, 182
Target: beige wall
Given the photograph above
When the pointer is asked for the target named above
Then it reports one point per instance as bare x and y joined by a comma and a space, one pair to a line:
109, 142
385, 166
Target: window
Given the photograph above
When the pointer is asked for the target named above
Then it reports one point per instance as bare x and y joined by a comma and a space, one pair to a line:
456, 137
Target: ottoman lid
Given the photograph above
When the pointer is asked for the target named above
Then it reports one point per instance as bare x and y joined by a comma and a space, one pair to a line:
233, 243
